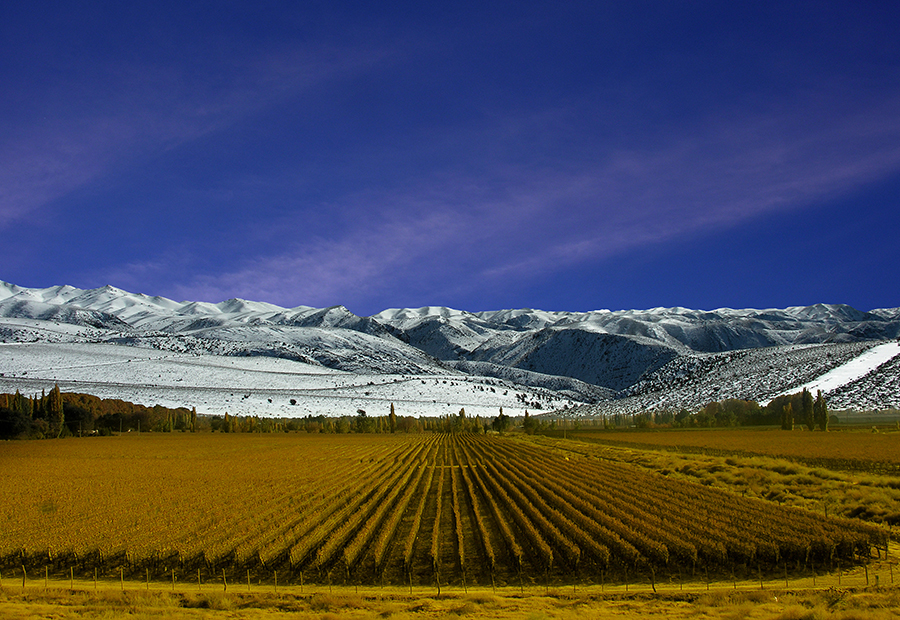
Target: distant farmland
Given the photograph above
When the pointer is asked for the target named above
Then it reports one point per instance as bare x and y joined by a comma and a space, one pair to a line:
852, 449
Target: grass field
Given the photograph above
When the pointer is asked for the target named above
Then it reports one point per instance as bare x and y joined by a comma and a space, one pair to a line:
110, 601
797, 468
857, 448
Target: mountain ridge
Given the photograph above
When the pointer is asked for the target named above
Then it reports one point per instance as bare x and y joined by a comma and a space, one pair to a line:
600, 355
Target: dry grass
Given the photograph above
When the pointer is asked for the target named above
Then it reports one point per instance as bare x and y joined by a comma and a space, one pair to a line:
871, 496
837, 445
112, 604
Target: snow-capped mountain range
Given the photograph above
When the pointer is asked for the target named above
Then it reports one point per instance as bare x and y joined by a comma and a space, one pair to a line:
612, 361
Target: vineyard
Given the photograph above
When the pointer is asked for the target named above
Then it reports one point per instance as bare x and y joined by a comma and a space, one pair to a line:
386, 509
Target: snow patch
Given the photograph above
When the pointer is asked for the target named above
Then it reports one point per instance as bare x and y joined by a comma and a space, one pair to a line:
854, 369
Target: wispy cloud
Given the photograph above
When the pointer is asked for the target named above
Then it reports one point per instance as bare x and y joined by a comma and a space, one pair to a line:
138, 111
704, 179
359, 264
464, 231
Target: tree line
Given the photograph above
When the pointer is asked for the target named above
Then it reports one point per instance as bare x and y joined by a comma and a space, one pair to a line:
41, 416
60, 414
785, 411
362, 422
57, 414
780, 411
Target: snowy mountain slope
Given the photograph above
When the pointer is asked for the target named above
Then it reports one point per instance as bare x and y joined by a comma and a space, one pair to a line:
615, 349
879, 388
690, 382
332, 337
255, 385
33, 330
17, 308
666, 357
888, 314
574, 389
607, 360
704, 331
632, 358
857, 368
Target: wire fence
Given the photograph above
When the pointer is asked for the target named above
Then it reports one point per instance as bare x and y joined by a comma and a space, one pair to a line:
880, 574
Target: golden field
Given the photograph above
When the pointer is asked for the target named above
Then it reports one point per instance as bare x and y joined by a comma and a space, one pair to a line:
464, 524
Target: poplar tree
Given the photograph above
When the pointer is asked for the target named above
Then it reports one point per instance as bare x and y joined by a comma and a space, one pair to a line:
528, 424
22, 405
806, 409
820, 411
14, 420
787, 417
393, 419
55, 415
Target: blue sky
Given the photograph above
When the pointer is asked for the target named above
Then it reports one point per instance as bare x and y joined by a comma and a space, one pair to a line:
485, 155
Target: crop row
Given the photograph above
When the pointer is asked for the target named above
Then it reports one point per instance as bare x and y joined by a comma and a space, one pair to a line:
417, 508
